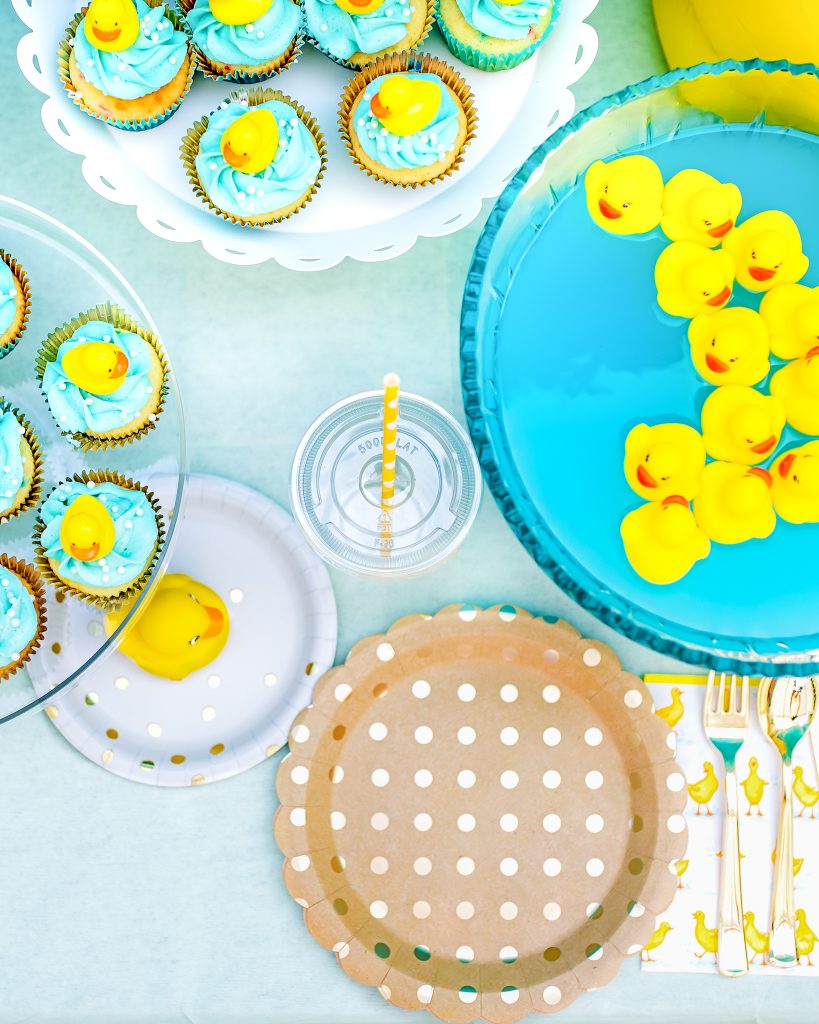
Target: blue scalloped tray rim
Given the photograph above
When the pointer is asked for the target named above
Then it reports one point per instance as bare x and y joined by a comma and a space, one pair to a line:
771, 657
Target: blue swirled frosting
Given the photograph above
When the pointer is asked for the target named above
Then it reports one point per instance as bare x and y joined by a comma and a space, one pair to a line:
134, 525
142, 68
12, 472
422, 149
18, 617
343, 34
294, 168
8, 297
77, 410
245, 45
504, 21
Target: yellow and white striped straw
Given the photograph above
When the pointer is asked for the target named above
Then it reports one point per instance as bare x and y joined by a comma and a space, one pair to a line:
388, 458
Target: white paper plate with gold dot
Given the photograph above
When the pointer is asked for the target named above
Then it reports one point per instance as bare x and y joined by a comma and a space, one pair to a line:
234, 713
478, 814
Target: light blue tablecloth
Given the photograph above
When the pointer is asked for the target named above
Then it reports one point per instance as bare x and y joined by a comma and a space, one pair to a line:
124, 904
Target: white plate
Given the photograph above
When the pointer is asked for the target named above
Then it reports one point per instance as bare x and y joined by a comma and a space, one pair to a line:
282, 638
352, 215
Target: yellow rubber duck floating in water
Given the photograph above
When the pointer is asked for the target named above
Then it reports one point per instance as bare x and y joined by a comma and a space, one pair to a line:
735, 503
791, 312
662, 540
111, 25
98, 367
796, 484
87, 532
250, 143
698, 208
797, 386
625, 195
767, 250
730, 346
663, 460
702, 792
691, 279
741, 425
754, 787
405, 106
239, 12
184, 626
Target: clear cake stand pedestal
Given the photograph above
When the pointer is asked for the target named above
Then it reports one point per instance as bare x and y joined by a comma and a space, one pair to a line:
67, 276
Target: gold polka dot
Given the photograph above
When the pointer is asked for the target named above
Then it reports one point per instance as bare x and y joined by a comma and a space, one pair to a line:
178, 759
217, 748
112, 734
107, 756
338, 732
197, 780
59, 597
92, 698
51, 711
271, 750
56, 648
379, 689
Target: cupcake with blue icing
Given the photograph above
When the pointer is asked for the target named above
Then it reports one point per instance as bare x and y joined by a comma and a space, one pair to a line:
126, 62
407, 119
98, 537
15, 302
22, 614
357, 32
104, 377
255, 160
493, 35
243, 40
21, 471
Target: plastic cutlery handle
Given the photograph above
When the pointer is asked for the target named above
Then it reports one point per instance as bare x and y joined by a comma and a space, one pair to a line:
783, 917
732, 956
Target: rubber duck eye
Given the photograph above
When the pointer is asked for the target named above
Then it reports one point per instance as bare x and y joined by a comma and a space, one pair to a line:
605, 190
664, 478
713, 343
753, 255
733, 359
626, 205
194, 641
646, 458
708, 223
193, 597
777, 266
707, 295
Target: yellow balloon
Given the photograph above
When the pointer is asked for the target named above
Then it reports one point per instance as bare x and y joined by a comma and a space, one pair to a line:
239, 12
250, 143
404, 105
98, 367
87, 532
111, 25
359, 6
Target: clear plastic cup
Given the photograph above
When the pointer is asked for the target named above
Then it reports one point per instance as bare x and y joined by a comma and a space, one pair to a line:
335, 487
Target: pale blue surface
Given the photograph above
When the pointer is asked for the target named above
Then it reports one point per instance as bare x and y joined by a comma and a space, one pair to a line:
124, 904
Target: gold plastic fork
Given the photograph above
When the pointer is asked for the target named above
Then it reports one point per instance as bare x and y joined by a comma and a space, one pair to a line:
725, 719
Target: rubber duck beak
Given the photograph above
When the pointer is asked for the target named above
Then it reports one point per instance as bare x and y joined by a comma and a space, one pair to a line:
120, 366
761, 273
785, 465
608, 210
812, 352
721, 229
645, 478
675, 499
764, 446
217, 621
233, 158
714, 364
378, 109
106, 36
85, 554
763, 474
718, 300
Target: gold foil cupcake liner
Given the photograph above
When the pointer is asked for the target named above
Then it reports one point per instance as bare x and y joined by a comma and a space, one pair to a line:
118, 318
189, 151
401, 63
34, 584
35, 489
22, 279
106, 603
429, 21
135, 124
265, 70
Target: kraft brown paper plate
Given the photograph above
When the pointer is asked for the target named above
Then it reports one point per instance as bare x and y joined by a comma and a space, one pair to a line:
478, 814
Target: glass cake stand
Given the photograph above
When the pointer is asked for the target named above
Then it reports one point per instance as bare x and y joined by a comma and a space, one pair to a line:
68, 276
564, 350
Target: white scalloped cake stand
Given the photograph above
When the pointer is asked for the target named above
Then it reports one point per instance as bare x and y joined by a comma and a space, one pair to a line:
352, 215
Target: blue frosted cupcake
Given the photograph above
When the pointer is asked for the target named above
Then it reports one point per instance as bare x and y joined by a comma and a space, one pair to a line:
493, 35
21, 471
15, 302
357, 32
406, 119
264, 42
98, 537
104, 377
255, 160
126, 62
22, 614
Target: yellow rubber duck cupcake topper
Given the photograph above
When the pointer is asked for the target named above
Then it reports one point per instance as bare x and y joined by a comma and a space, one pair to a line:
87, 532
111, 25
698, 208
625, 195
404, 105
250, 143
767, 249
98, 367
239, 12
359, 6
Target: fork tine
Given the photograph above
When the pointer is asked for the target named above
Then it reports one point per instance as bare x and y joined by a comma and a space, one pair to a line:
732, 699
721, 695
746, 697
709, 694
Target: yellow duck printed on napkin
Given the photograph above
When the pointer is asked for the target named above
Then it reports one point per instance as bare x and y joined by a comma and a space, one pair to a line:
685, 940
